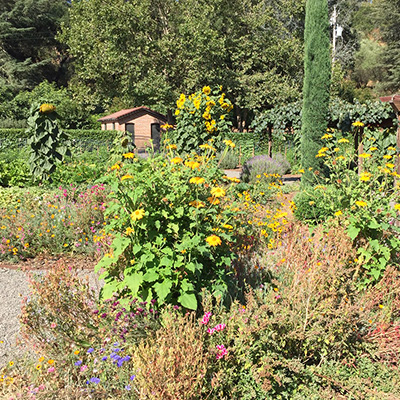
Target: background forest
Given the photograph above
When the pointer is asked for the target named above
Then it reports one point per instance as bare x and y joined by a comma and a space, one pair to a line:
98, 56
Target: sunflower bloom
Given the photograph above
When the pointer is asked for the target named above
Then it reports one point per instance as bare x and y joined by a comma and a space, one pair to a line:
365, 176
213, 200
206, 90
128, 155
192, 164
197, 204
214, 240
47, 108
397, 207
358, 123
115, 167
365, 155
361, 203
343, 140
176, 160
138, 214
218, 192
197, 180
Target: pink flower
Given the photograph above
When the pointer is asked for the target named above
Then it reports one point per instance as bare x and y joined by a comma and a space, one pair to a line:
53, 325
222, 351
206, 318
210, 331
50, 370
220, 327
84, 368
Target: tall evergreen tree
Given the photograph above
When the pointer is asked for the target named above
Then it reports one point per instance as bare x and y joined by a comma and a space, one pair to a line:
317, 73
29, 52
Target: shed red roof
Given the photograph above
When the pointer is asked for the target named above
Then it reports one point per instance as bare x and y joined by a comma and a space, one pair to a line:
393, 100
131, 111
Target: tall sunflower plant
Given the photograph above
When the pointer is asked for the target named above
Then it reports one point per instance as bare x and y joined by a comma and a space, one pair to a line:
362, 192
173, 229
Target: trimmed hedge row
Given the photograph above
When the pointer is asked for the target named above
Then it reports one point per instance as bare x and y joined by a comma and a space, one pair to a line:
84, 134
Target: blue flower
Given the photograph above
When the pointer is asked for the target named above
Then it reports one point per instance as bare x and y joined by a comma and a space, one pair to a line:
132, 377
79, 362
91, 350
116, 344
104, 358
95, 380
128, 387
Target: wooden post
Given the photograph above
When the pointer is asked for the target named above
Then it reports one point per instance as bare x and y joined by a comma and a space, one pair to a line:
270, 141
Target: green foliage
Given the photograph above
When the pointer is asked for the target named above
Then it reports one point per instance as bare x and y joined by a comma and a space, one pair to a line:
71, 113
252, 49
317, 75
201, 117
365, 202
171, 232
48, 143
30, 52
15, 173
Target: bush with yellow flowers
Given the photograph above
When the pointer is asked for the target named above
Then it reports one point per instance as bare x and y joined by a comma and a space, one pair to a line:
172, 228
200, 117
362, 192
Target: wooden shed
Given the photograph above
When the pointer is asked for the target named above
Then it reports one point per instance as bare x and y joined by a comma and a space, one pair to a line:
141, 122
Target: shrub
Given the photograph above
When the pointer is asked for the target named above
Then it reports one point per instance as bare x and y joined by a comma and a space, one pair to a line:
367, 203
259, 167
67, 221
77, 339
173, 363
172, 229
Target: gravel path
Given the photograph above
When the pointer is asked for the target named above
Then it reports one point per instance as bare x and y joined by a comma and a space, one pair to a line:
14, 286
13, 283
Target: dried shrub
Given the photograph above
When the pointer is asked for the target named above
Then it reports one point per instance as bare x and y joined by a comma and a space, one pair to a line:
381, 310
172, 364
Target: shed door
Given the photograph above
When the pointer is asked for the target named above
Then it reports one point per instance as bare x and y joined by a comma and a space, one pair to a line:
131, 129
155, 136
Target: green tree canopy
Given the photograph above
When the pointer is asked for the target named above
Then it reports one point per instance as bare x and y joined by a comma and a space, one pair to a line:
149, 51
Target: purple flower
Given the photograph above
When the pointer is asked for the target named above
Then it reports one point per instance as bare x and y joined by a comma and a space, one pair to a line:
91, 350
95, 380
103, 315
79, 362
104, 358
132, 377
128, 387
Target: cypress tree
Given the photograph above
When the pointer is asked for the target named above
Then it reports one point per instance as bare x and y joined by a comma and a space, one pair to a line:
317, 74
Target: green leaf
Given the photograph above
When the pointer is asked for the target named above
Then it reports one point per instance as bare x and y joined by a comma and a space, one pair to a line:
151, 276
188, 300
108, 290
163, 289
133, 282
353, 231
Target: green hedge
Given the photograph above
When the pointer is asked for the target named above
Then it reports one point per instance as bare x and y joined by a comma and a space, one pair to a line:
18, 133
82, 139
